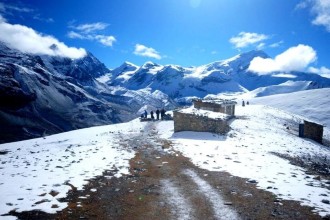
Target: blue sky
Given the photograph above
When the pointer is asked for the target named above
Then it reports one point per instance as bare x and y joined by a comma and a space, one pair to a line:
182, 32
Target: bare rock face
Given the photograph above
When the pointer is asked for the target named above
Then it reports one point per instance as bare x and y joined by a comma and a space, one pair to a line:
41, 95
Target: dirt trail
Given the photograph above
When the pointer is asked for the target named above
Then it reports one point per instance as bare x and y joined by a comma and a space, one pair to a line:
165, 185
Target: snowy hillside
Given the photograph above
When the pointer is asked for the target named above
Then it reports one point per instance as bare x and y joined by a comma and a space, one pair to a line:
252, 150
286, 87
312, 104
42, 95
37, 173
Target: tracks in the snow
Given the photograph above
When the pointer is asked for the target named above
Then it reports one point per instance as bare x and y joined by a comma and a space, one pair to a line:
183, 192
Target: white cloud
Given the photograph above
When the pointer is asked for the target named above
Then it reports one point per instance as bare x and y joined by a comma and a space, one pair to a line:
277, 44
12, 10
285, 75
89, 32
142, 50
106, 40
91, 27
294, 59
320, 9
38, 17
75, 35
9, 9
245, 39
323, 71
2, 19
261, 46
27, 40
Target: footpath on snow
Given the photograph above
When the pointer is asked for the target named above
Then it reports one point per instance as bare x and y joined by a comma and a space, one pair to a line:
144, 170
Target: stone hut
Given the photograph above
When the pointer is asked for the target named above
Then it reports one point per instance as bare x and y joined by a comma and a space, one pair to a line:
313, 131
205, 116
223, 106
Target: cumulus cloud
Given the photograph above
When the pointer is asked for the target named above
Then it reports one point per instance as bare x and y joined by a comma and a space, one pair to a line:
320, 9
296, 58
245, 39
27, 40
142, 50
90, 31
323, 71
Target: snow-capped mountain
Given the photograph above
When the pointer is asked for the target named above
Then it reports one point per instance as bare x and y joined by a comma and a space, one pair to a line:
42, 95
49, 94
229, 75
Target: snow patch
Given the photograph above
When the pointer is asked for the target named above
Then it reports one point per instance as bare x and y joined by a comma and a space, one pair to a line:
221, 211
33, 170
181, 208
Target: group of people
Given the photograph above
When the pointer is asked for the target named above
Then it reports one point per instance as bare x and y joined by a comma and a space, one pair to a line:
157, 112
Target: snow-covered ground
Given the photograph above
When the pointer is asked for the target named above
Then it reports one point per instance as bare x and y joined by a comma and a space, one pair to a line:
312, 104
246, 151
35, 173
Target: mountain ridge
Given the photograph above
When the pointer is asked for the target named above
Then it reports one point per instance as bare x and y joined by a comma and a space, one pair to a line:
229, 76
42, 94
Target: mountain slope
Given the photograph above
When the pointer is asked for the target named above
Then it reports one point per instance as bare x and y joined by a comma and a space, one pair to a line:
312, 104
45, 95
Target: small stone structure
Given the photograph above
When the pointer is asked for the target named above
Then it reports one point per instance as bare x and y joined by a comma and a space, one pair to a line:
313, 131
223, 106
192, 122
205, 116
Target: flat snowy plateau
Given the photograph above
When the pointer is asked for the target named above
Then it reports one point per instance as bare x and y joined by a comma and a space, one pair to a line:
36, 173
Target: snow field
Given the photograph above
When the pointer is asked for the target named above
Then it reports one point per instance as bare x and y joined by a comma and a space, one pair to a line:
246, 151
36, 173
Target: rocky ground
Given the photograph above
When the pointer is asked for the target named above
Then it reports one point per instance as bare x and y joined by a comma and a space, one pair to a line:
165, 185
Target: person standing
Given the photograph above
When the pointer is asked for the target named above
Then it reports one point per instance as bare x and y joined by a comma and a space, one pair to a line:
157, 114
145, 113
162, 113
152, 115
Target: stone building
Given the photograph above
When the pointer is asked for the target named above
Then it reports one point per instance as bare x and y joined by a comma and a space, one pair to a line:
205, 116
313, 131
223, 106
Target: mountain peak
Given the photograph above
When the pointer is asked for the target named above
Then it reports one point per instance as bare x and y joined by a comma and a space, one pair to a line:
254, 53
53, 47
125, 67
149, 65
127, 64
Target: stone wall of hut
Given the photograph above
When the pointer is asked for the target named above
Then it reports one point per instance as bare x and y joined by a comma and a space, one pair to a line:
228, 109
313, 131
191, 122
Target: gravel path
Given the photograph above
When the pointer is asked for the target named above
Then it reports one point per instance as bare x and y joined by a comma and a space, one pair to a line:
165, 185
